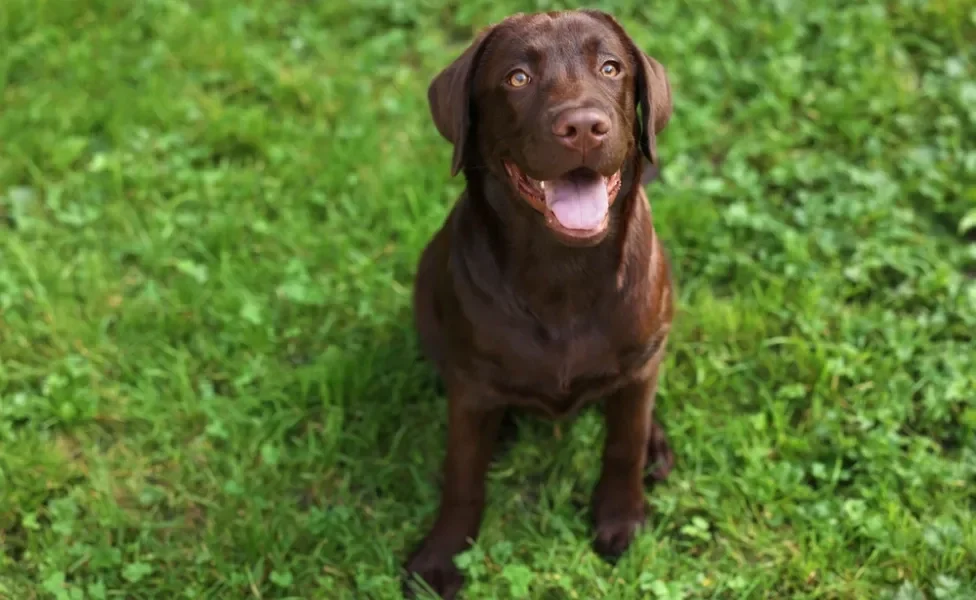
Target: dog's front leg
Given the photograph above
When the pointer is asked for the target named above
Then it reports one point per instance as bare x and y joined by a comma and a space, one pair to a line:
618, 501
471, 436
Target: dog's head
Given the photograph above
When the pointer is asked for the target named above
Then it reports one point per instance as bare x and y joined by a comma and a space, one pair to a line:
558, 104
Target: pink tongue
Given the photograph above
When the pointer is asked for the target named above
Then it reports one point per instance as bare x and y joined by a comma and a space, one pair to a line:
578, 202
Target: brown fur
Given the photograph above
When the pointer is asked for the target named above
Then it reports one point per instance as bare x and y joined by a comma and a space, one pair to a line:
514, 316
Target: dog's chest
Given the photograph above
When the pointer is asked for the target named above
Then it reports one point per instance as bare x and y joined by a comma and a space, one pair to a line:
578, 359
559, 370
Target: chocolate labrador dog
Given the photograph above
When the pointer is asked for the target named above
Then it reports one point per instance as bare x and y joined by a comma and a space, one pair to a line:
547, 288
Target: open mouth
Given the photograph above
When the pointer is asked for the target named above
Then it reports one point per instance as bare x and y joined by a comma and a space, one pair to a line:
577, 204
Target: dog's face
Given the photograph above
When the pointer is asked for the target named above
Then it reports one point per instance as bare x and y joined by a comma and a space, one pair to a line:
549, 102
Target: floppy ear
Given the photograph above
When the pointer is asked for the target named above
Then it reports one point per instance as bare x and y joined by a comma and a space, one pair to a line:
654, 99
650, 172
449, 97
653, 92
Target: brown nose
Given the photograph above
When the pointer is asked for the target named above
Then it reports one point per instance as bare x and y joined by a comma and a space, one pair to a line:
581, 129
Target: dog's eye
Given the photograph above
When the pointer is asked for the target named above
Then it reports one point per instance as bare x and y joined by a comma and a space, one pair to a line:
610, 69
518, 78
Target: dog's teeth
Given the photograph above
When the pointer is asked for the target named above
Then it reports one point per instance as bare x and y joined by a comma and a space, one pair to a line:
542, 185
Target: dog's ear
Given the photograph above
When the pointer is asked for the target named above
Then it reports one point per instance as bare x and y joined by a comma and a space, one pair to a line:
654, 99
650, 172
449, 97
653, 91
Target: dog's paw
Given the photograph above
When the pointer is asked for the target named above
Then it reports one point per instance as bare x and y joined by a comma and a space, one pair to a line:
618, 514
615, 533
437, 569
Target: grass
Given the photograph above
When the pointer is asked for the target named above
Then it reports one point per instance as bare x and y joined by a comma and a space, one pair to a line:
210, 214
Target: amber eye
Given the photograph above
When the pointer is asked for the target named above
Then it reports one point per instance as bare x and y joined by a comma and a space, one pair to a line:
610, 69
518, 78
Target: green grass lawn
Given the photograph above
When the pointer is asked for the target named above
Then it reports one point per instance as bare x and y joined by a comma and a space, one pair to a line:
210, 386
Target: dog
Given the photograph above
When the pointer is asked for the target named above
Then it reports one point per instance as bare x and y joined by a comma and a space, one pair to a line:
547, 288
